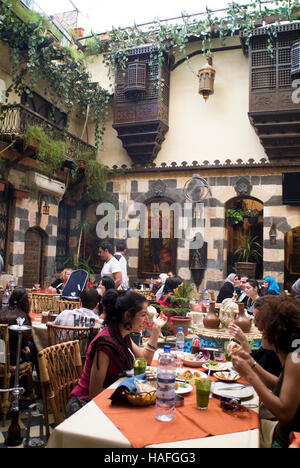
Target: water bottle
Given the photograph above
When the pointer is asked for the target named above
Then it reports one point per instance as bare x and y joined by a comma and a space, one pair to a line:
206, 300
165, 388
5, 298
12, 282
180, 340
151, 283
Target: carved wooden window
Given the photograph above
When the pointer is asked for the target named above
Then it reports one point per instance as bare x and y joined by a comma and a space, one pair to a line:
268, 72
4, 207
295, 58
135, 79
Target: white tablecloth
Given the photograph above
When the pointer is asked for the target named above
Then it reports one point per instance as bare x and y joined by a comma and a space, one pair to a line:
40, 335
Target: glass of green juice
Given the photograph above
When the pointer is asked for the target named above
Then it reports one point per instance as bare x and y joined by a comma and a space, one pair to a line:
139, 366
203, 386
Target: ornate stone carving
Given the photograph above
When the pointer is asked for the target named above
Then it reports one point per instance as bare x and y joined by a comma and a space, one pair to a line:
159, 189
243, 187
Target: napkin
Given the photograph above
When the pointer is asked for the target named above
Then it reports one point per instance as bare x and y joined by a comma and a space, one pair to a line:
128, 384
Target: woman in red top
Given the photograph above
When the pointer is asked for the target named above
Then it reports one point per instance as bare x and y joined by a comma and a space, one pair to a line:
112, 351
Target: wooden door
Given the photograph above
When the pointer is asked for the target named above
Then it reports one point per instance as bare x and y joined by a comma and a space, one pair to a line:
33, 258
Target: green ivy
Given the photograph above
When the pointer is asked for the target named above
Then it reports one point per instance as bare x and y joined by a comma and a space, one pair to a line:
35, 57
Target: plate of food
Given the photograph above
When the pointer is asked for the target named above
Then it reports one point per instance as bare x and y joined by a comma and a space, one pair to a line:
214, 366
188, 375
196, 360
227, 376
182, 388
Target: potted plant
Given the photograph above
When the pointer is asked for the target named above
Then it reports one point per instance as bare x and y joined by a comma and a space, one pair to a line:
249, 252
252, 216
235, 216
179, 307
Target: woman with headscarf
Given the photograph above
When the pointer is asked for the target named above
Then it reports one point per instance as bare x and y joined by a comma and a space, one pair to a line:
227, 290
296, 288
271, 286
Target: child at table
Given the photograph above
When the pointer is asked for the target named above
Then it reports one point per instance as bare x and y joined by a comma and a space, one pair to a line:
112, 351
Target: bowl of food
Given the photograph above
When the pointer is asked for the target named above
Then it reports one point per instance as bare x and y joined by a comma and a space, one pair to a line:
196, 360
142, 398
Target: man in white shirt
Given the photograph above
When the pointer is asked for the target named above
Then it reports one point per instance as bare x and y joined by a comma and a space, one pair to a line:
85, 315
111, 267
119, 255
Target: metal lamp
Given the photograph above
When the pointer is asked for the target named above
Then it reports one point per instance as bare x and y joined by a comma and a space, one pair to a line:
206, 76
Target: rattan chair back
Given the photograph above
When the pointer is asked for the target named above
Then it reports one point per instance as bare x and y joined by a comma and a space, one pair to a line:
60, 370
61, 334
67, 305
41, 302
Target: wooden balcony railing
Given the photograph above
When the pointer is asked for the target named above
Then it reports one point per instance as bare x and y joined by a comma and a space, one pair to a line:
16, 119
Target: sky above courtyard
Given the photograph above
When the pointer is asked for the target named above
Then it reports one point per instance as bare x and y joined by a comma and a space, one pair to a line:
100, 16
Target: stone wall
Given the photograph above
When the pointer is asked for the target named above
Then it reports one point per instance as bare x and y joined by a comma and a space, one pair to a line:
263, 185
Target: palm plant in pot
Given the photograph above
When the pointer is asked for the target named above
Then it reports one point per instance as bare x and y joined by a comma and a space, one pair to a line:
249, 253
178, 310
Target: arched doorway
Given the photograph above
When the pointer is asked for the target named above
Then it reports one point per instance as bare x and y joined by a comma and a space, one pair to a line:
291, 257
250, 224
34, 257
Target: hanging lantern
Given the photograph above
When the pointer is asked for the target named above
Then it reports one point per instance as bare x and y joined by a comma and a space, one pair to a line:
273, 234
206, 79
46, 208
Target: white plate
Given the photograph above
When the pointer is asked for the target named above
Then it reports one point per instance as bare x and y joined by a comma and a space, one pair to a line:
220, 367
227, 376
183, 390
180, 371
234, 390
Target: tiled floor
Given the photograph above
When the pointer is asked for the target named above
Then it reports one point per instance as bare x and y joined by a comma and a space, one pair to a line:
34, 430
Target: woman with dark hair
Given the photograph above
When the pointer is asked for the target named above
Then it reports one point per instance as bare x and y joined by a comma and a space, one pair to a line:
105, 284
252, 291
278, 318
112, 351
18, 306
170, 285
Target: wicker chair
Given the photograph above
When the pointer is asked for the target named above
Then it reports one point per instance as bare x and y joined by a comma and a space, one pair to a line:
7, 371
41, 302
60, 370
64, 305
60, 334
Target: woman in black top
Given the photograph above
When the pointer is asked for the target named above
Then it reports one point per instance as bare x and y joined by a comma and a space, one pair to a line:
18, 306
278, 318
227, 290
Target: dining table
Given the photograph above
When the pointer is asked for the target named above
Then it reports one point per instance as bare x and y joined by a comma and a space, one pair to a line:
101, 424
39, 334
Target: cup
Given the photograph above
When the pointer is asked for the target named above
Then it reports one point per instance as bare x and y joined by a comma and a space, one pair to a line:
139, 366
203, 386
219, 356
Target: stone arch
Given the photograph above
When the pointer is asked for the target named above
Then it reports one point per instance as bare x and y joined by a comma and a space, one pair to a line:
235, 235
34, 269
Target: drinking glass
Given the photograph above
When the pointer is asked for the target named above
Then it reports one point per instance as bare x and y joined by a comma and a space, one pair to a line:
139, 366
203, 386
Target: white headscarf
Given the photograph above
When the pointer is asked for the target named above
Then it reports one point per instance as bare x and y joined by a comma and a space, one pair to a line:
163, 277
230, 278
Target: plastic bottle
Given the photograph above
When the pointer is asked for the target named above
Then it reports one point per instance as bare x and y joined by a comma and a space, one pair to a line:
11, 282
180, 340
165, 389
151, 283
5, 298
206, 300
